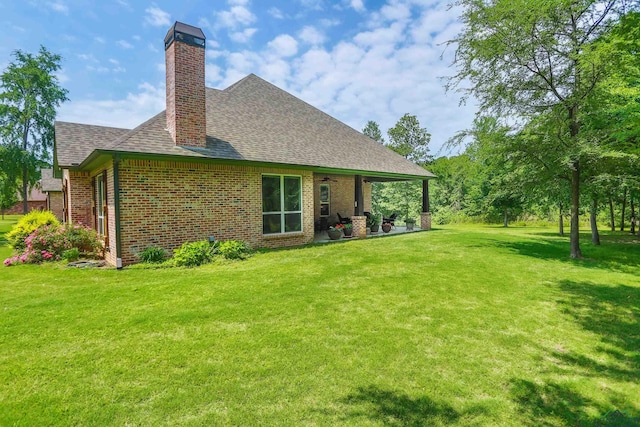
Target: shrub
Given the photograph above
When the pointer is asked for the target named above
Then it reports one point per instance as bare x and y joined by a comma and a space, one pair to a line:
71, 254
50, 242
194, 254
234, 249
27, 225
152, 254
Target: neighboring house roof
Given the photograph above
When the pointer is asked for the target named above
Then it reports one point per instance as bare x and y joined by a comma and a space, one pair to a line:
48, 182
35, 195
252, 120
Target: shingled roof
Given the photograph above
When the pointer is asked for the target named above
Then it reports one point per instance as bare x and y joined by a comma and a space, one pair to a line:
49, 182
253, 121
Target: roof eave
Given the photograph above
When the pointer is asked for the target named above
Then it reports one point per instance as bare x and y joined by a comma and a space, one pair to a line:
98, 157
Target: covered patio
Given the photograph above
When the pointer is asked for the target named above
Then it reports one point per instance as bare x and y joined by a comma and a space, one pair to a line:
349, 196
323, 237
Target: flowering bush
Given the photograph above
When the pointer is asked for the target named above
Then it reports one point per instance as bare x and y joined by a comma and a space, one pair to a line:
50, 242
27, 225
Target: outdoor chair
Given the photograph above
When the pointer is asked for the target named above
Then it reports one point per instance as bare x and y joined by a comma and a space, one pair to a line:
391, 220
343, 220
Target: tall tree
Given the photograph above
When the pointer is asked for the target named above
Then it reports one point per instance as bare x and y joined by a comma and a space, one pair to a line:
526, 57
29, 95
372, 130
410, 140
9, 172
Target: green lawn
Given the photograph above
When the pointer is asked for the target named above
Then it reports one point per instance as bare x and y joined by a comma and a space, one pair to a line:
458, 326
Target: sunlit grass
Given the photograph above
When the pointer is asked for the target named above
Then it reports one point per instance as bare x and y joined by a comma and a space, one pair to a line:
457, 326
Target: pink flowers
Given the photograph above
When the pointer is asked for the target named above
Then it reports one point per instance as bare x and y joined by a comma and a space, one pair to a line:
48, 243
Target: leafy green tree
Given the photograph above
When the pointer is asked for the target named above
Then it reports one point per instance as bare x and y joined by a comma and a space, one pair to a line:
29, 95
372, 130
410, 140
9, 172
524, 57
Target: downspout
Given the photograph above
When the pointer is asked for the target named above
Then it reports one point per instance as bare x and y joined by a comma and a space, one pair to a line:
116, 205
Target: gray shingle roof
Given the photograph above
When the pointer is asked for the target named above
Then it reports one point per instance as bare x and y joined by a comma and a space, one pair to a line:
74, 141
252, 120
48, 182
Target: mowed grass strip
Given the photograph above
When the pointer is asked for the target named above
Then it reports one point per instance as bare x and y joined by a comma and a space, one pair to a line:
458, 326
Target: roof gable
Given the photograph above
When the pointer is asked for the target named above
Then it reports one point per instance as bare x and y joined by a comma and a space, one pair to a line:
254, 121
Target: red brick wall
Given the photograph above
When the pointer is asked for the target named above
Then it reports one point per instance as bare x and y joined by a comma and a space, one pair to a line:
342, 195
54, 203
80, 200
17, 209
168, 203
186, 105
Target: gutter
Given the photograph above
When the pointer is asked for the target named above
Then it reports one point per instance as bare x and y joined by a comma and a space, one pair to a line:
116, 205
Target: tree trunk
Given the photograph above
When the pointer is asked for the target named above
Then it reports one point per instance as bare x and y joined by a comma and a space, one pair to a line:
613, 218
595, 236
506, 218
575, 211
624, 206
25, 189
561, 222
633, 216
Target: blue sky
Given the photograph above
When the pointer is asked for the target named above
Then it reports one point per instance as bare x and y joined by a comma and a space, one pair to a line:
357, 60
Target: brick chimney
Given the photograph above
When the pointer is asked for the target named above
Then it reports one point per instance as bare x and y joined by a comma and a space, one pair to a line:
184, 47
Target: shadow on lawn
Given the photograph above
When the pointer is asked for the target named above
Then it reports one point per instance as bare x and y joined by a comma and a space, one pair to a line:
374, 405
613, 255
611, 312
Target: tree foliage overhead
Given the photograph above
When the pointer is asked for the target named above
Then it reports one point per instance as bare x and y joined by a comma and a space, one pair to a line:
29, 96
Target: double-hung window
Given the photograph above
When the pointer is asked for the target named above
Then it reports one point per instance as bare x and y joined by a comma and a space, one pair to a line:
101, 205
281, 204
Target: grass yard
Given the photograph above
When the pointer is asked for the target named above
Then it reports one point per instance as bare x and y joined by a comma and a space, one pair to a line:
458, 326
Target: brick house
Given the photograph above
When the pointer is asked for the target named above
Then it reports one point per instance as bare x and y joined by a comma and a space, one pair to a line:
249, 162
36, 201
52, 188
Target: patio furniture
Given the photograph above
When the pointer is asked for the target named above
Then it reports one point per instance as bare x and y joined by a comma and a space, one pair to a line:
343, 220
391, 220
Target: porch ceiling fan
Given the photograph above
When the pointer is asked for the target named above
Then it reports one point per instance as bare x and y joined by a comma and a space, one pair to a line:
328, 179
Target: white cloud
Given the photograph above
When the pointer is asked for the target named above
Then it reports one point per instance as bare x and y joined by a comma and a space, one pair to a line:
100, 40
114, 61
313, 4
243, 36
124, 44
311, 35
88, 57
276, 13
237, 16
98, 69
157, 17
59, 7
152, 47
62, 76
128, 112
357, 5
283, 46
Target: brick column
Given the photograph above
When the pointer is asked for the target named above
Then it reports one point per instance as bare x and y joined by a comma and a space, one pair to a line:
359, 226
425, 220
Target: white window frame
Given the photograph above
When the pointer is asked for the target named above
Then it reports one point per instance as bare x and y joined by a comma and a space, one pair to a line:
282, 212
100, 203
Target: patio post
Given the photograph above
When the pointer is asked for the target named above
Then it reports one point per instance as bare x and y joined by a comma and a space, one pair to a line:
425, 216
358, 220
